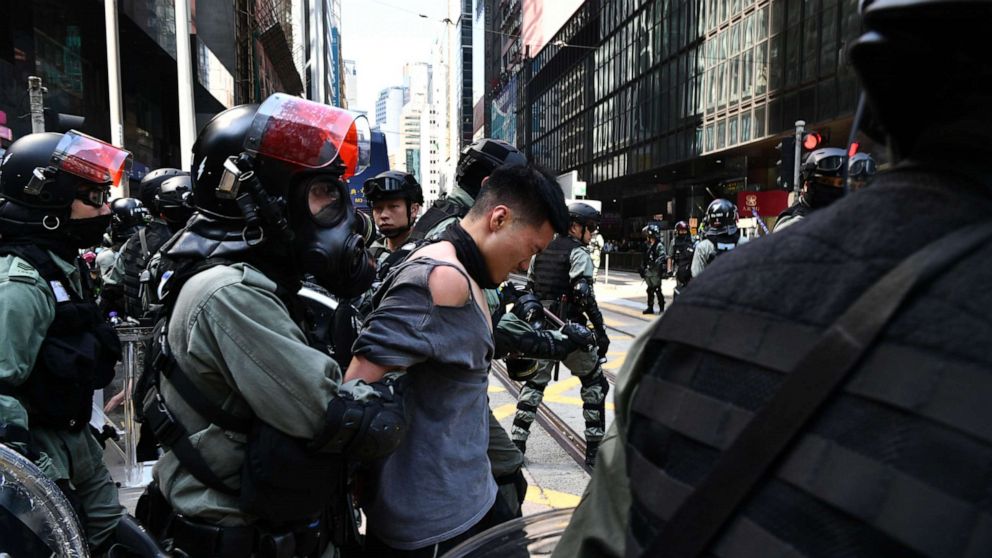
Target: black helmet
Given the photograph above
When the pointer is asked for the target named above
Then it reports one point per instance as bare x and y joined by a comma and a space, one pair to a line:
823, 176
150, 185
584, 214
392, 185
174, 199
128, 215
479, 159
890, 57
40, 177
681, 228
277, 172
652, 230
721, 217
521, 369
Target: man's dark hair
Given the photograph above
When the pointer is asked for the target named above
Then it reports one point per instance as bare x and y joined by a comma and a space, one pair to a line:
529, 190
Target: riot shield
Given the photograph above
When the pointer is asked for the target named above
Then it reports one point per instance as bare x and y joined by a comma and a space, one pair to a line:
534, 536
36, 519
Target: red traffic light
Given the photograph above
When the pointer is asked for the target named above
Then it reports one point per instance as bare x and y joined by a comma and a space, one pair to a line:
811, 140
853, 148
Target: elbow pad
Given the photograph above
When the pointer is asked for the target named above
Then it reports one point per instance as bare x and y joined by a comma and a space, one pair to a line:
364, 430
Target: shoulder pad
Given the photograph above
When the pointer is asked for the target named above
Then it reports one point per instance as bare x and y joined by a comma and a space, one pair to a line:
22, 271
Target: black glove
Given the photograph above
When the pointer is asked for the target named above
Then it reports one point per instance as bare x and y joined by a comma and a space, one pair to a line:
579, 335
603, 342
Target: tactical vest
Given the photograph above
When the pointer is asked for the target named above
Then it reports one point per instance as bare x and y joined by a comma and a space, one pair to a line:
892, 464
77, 356
723, 243
441, 210
682, 251
138, 251
551, 268
282, 481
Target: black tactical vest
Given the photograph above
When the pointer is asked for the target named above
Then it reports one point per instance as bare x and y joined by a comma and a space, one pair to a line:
723, 243
551, 268
138, 251
440, 211
682, 250
896, 462
77, 356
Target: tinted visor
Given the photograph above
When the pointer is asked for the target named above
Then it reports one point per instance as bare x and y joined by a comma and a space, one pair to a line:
309, 134
92, 160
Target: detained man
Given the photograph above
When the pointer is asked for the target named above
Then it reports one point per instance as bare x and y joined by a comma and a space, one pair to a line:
432, 321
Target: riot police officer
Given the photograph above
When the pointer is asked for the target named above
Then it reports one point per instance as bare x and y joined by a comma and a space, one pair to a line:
881, 460
720, 235
860, 170
561, 276
653, 268
128, 217
822, 175
475, 163
680, 261
57, 348
395, 198
140, 245
256, 425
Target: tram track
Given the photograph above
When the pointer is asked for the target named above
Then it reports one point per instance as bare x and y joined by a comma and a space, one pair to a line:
564, 435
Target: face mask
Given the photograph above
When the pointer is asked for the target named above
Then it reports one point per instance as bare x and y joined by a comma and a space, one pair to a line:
819, 195
86, 233
327, 244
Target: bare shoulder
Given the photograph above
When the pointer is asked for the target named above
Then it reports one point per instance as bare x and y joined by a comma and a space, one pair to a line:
448, 286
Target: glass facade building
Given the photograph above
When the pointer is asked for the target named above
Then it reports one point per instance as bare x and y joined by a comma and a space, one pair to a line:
657, 102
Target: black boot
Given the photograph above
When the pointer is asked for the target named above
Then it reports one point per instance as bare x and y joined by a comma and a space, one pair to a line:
591, 449
650, 308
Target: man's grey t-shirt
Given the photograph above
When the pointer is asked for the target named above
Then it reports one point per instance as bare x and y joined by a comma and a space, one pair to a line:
438, 483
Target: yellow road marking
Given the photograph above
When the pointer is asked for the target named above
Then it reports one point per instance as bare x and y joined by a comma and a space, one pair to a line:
551, 498
614, 364
562, 386
496, 389
627, 311
566, 400
611, 322
504, 411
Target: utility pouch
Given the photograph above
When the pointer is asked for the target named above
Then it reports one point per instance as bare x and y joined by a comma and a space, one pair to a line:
281, 481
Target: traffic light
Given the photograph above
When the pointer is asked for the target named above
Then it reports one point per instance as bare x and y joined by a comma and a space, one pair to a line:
811, 140
786, 162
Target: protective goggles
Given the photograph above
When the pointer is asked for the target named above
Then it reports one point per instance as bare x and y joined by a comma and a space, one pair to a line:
384, 185
309, 134
95, 197
861, 168
831, 164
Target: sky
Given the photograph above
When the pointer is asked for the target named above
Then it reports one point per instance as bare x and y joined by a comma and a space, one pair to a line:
382, 35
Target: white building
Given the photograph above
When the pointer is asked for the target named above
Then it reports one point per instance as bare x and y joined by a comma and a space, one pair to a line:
350, 84
388, 109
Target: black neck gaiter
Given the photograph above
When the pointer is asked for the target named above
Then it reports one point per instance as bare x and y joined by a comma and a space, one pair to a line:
468, 253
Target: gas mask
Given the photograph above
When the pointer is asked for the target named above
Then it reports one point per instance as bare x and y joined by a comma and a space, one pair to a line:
326, 240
